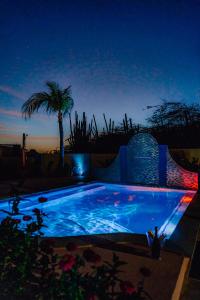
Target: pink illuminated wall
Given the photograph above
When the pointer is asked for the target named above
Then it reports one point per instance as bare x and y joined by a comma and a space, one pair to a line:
178, 176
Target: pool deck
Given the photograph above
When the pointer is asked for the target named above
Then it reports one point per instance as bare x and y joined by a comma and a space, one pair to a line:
167, 274
191, 289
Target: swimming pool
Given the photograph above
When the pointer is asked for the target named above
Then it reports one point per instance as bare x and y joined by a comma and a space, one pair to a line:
100, 208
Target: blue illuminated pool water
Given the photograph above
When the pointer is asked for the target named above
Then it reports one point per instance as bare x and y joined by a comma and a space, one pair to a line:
108, 208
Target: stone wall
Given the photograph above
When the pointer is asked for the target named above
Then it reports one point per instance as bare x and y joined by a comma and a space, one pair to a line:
143, 161
178, 176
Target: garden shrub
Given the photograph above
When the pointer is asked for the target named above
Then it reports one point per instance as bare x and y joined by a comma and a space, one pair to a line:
31, 269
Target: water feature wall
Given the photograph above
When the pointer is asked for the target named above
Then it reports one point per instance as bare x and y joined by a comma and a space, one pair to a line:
143, 161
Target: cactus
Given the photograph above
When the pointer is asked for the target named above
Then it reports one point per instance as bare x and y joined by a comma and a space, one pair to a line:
110, 125
106, 123
96, 134
82, 133
85, 137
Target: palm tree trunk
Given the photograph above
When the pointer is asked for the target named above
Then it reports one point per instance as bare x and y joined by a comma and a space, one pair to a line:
60, 123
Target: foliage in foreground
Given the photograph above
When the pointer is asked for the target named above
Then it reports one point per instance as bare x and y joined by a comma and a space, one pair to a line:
30, 268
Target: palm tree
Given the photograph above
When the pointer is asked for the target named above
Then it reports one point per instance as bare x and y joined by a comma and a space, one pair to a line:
56, 100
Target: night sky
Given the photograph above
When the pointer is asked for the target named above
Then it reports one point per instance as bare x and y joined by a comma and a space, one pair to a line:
119, 56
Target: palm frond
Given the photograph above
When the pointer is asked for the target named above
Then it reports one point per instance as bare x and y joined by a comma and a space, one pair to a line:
56, 100
34, 103
53, 87
68, 101
68, 106
68, 91
56, 97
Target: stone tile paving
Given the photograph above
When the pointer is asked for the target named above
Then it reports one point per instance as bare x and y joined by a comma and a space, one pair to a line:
191, 290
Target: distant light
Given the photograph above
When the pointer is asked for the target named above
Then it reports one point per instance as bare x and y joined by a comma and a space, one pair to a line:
80, 168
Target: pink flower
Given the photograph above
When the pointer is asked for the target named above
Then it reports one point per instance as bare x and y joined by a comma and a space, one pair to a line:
91, 256
67, 262
71, 247
127, 288
42, 199
27, 218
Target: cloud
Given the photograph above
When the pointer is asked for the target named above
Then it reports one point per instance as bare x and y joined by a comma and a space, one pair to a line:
9, 136
12, 113
18, 114
2, 126
6, 128
12, 92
